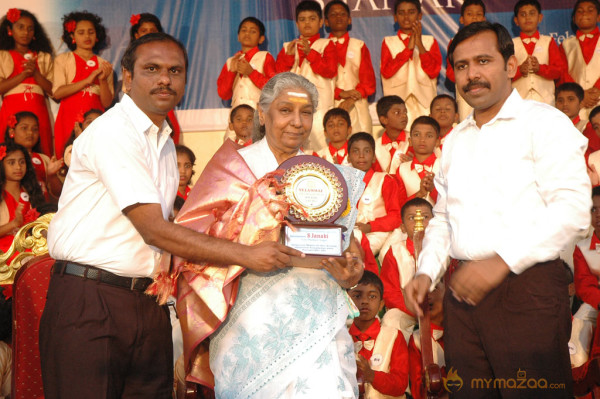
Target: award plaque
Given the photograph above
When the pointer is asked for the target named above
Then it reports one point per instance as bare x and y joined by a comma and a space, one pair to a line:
318, 196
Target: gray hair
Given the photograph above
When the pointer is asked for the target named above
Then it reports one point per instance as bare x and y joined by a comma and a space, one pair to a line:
272, 90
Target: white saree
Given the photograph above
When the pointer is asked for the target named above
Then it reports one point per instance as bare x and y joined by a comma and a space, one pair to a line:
285, 336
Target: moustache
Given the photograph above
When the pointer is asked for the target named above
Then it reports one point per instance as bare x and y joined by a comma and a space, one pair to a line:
476, 84
163, 89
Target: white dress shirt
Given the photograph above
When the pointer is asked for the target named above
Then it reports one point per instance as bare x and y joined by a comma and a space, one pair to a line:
516, 187
121, 159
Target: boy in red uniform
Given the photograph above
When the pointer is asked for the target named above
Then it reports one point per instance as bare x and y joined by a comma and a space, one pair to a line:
379, 206
436, 316
246, 72
444, 109
470, 11
315, 59
417, 174
568, 99
540, 62
582, 53
355, 77
337, 130
391, 148
381, 352
398, 263
410, 61
241, 122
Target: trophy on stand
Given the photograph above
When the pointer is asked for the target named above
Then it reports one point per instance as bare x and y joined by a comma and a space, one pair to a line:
433, 375
318, 196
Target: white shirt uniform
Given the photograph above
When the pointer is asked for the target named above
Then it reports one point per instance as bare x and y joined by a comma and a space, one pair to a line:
516, 187
121, 159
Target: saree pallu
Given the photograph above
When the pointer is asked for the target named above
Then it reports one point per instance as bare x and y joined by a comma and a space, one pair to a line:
285, 337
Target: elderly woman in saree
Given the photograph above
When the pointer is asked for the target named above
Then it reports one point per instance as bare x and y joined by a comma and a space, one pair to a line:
277, 332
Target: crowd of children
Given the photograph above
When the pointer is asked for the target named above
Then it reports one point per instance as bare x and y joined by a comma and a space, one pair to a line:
399, 163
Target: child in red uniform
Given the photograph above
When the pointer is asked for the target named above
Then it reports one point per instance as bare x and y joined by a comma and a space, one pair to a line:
381, 352
23, 129
391, 148
337, 130
592, 132
444, 109
568, 99
398, 262
436, 316
470, 11
582, 53
82, 80
241, 121
417, 174
315, 59
26, 69
142, 24
379, 206
246, 72
540, 62
410, 61
20, 192
186, 159
355, 78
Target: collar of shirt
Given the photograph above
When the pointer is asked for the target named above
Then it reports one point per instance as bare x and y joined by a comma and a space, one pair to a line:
385, 139
583, 36
143, 124
403, 36
368, 176
427, 162
530, 39
510, 109
249, 54
370, 333
576, 120
594, 241
338, 154
341, 47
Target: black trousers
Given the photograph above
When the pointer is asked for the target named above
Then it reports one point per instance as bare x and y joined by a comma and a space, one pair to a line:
101, 341
514, 344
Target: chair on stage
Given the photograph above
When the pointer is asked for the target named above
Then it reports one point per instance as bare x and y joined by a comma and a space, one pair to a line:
29, 273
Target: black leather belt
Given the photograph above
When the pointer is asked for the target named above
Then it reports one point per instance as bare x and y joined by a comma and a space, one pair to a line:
103, 276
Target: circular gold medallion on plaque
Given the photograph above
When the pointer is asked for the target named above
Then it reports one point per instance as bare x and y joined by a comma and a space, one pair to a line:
315, 189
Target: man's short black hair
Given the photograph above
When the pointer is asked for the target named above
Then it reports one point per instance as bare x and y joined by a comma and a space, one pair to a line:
309, 5
426, 120
504, 40
130, 56
339, 112
417, 201
385, 103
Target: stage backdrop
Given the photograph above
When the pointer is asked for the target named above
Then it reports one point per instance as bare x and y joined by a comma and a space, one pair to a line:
208, 29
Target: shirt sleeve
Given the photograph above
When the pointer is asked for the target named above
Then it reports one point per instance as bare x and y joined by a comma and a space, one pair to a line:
366, 74
555, 68
390, 277
225, 83
6, 65
60, 72
391, 65
566, 77
561, 179
121, 165
391, 199
586, 283
284, 62
431, 61
395, 381
46, 65
260, 79
324, 64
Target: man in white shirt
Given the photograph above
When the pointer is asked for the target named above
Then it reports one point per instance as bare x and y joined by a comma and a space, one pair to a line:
101, 335
513, 192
